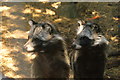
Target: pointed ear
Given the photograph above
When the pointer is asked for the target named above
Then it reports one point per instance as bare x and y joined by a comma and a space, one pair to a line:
32, 22
81, 22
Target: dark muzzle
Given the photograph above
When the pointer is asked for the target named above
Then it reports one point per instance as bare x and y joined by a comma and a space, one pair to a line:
86, 37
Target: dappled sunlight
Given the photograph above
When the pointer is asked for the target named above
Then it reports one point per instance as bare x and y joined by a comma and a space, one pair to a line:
63, 19
11, 74
10, 25
4, 52
3, 28
8, 63
95, 12
36, 15
49, 12
27, 10
7, 14
7, 58
7, 26
114, 38
56, 5
13, 16
38, 10
58, 20
13, 38
16, 34
4, 8
12, 66
22, 18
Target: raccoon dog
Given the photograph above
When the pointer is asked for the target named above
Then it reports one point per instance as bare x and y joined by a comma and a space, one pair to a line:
52, 58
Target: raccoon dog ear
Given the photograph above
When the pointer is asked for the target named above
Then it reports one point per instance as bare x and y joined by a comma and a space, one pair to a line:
32, 22
81, 22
